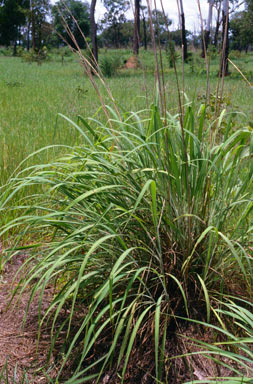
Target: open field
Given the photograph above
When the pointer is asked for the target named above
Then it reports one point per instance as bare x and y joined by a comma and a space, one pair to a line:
31, 96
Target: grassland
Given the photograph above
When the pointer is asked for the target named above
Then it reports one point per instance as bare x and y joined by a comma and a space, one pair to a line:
31, 96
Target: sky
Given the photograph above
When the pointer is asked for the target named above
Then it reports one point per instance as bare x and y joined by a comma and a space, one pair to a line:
192, 20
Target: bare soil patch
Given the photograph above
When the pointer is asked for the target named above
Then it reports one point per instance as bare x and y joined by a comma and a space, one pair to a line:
18, 343
132, 63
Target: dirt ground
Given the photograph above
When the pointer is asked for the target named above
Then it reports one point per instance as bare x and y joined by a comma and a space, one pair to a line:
18, 343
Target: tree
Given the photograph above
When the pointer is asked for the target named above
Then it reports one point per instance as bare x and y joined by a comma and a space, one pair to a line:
93, 30
183, 30
217, 5
241, 28
125, 30
144, 24
136, 42
39, 10
160, 23
225, 39
12, 18
66, 10
124, 38
249, 6
115, 16
206, 36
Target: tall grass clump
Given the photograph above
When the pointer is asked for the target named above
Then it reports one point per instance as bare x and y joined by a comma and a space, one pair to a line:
109, 65
144, 225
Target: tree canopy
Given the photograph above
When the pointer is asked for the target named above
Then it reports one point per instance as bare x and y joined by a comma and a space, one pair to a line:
67, 10
12, 18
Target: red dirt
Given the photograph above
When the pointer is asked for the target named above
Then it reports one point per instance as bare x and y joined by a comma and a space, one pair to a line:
132, 63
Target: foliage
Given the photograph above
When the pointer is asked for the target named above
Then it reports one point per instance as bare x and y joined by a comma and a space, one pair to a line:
115, 17
147, 221
160, 24
125, 35
12, 18
241, 27
40, 28
120, 33
109, 65
38, 57
67, 10
171, 54
6, 51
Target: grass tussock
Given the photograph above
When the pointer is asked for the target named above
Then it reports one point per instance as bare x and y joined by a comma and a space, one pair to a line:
147, 224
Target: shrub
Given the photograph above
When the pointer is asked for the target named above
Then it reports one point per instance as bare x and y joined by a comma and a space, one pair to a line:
171, 53
20, 51
234, 54
6, 51
109, 65
34, 56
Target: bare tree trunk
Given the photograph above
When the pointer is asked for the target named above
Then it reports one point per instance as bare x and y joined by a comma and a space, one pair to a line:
144, 30
15, 48
205, 41
183, 31
136, 27
215, 42
33, 25
225, 39
118, 35
93, 30
28, 36
39, 38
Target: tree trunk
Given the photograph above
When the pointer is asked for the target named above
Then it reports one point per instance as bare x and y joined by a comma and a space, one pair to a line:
225, 40
28, 37
144, 31
217, 27
33, 25
15, 48
93, 30
118, 35
183, 31
136, 27
205, 40
39, 40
